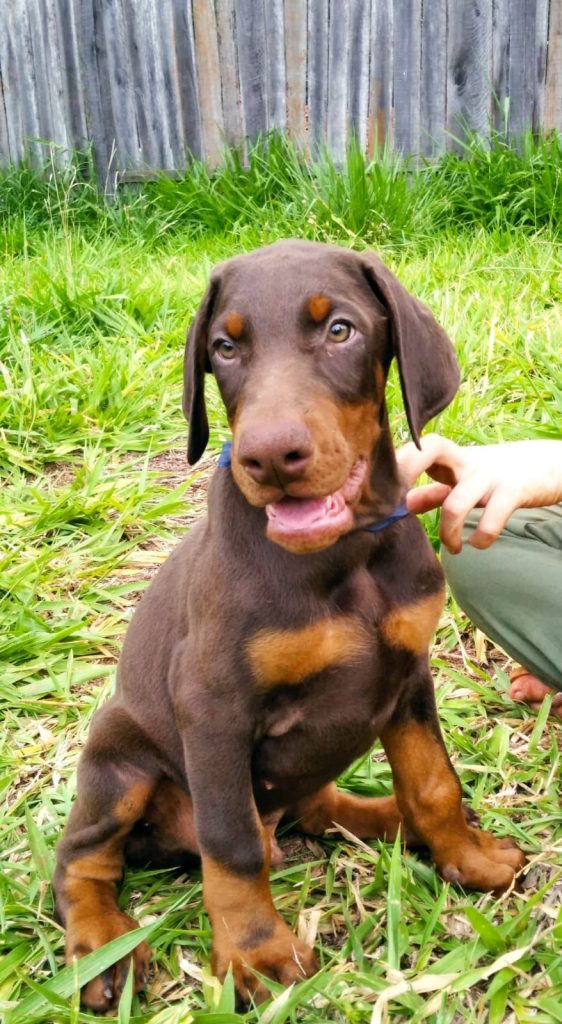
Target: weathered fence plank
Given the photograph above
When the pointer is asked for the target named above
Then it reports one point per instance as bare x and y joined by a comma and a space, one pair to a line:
382, 74
552, 117
541, 46
10, 106
500, 64
250, 33
318, 71
527, 40
469, 105
184, 48
407, 89
360, 66
97, 119
208, 77
276, 75
175, 148
433, 104
295, 63
39, 120
152, 82
229, 72
116, 82
54, 63
338, 70
75, 119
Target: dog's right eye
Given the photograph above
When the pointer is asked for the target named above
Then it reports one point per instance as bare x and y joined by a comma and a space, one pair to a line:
340, 330
225, 348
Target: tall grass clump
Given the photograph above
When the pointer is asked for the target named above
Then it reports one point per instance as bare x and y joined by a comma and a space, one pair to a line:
498, 186
388, 199
272, 187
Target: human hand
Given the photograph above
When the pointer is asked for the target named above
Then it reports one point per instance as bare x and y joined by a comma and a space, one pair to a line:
498, 477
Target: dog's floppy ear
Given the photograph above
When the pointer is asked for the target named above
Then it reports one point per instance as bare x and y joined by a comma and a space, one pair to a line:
195, 365
429, 374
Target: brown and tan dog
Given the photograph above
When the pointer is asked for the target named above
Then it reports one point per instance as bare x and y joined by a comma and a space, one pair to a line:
287, 631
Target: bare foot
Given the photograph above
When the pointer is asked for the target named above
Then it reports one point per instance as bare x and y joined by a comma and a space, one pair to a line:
526, 687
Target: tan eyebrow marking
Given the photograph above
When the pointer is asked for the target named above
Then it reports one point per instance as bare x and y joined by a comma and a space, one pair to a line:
234, 324
319, 306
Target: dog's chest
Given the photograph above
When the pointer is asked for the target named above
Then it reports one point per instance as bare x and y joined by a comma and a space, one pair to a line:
325, 635
320, 691
309, 733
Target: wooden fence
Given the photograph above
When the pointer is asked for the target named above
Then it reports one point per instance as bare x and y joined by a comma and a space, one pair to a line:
150, 82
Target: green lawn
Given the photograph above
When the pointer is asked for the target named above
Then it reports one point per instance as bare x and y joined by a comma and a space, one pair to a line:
95, 492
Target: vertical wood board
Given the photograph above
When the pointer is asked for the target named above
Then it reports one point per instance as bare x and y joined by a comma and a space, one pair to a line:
230, 75
250, 32
433, 100
522, 65
318, 36
407, 76
359, 71
381, 119
500, 64
77, 133
295, 64
208, 78
469, 106
276, 73
338, 70
552, 115
186, 74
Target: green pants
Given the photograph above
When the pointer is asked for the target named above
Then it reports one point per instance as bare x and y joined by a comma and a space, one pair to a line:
513, 590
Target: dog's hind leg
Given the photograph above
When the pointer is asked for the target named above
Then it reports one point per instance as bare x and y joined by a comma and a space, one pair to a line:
113, 792
365, 817
164, 836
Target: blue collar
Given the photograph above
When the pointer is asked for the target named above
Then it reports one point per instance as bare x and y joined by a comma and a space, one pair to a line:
224, 457
399, 513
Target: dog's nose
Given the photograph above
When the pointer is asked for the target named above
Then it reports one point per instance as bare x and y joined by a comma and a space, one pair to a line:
276, 453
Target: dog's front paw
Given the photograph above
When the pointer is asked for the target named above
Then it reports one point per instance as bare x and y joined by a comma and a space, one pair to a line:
273, 951
84, 935
480, 861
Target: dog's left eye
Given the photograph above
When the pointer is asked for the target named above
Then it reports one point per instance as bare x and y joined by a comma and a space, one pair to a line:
225, 348
340, 330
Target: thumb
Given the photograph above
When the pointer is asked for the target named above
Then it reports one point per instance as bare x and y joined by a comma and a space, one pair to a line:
422, 499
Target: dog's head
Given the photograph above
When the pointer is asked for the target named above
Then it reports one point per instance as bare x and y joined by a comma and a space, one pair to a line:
300, 337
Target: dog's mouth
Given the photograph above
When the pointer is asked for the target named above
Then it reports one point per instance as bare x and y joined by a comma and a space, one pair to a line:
309, 524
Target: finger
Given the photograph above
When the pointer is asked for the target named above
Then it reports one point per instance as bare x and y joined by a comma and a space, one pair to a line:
499, 508
467, 495
422, 499
434, 450
411, 462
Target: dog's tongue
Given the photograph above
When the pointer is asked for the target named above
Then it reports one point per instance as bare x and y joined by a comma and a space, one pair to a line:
295, 515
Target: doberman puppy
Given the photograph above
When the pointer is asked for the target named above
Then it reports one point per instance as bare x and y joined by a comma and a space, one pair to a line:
287, 631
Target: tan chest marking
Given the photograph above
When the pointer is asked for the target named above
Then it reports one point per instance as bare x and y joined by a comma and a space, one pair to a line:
289, 656
413, 625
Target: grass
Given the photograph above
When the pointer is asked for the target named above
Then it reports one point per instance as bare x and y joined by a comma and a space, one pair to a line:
95, 300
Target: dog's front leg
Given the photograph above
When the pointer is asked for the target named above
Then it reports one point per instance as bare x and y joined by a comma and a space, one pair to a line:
429, 796
235, 852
